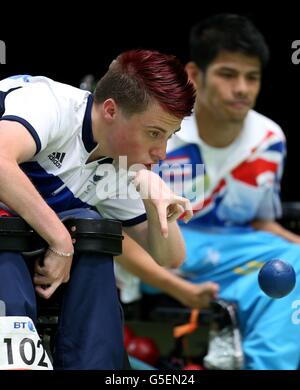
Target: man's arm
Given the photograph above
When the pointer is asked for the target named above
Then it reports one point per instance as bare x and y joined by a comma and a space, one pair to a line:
276, 228
262, 222
137, 261
160, 235
20, 195
168, 252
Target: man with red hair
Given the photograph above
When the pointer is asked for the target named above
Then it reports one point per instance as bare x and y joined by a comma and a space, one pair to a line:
60, 154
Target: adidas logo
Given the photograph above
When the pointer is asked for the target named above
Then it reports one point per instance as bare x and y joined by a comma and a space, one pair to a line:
57, 158
97, 178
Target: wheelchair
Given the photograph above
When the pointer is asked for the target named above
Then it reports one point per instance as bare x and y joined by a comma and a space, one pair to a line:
103, 236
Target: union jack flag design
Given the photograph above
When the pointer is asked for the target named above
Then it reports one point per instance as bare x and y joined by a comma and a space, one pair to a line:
246, 184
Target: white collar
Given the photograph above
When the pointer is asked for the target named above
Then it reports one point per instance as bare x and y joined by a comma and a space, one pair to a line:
189, 130
251, 135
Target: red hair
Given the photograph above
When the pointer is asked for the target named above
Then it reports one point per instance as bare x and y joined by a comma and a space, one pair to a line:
138, 76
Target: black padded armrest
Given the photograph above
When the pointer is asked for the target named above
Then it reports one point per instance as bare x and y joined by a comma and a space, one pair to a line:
291, 216
291, 209
96, 235
103, 235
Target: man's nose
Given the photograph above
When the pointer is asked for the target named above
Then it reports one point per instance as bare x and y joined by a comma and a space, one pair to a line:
241, 86
158, 153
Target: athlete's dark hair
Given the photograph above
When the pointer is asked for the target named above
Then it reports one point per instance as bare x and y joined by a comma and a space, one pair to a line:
226, 32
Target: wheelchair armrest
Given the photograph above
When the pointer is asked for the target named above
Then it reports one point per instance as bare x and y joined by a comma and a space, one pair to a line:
101, 236
291, 216
163, 308
291, 210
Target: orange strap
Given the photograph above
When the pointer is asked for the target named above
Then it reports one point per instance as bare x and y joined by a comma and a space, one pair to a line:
188, 328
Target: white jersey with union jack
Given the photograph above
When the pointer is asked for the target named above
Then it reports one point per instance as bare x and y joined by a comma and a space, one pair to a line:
238, 183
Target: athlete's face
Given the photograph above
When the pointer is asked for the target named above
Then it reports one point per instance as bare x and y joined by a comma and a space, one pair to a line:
143, 137
230, 86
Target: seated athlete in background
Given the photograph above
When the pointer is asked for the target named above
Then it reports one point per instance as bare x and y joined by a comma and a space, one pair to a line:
233, 231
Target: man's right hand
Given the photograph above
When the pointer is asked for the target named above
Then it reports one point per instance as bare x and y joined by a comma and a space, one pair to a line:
198, 296
157, 196
49, 276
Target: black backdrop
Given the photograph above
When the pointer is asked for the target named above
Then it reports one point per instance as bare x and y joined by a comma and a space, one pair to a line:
66, 47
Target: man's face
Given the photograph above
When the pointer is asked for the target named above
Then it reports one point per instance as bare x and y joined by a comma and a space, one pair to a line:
230, 86
143, 137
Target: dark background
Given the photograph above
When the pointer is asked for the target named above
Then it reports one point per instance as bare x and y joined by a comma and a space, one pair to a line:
66, 47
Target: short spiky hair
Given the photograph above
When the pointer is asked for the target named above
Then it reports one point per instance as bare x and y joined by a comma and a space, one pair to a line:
226, 32
138, 77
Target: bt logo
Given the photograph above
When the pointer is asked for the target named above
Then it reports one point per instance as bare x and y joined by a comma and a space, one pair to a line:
22, 325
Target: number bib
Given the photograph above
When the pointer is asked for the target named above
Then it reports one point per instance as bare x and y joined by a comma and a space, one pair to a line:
20, 345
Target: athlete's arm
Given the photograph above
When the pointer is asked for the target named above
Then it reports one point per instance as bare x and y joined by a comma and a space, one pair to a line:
19, 194
160, 235
275, 228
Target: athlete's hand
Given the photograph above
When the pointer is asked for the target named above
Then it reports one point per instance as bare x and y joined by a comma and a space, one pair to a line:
158, 196
54, 271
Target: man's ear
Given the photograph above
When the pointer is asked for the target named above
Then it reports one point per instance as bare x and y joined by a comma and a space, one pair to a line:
194, 73
109, 108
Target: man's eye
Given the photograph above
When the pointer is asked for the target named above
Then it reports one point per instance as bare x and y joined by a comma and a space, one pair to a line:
227, 75
154, 134
253, 77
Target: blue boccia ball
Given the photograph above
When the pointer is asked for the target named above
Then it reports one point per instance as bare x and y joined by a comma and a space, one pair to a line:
277, 278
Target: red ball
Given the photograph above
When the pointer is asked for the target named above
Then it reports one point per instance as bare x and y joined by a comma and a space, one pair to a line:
145, 349
193, 366
128, 335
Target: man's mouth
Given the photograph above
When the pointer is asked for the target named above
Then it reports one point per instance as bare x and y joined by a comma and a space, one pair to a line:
239, 104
